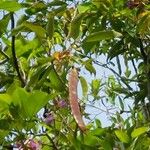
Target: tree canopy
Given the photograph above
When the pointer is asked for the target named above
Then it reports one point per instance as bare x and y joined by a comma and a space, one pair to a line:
62, 61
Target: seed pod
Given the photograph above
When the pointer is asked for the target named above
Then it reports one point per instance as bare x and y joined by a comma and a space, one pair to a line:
73, 99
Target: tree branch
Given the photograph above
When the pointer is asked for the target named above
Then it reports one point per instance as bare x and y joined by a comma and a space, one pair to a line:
53, 143
15, 61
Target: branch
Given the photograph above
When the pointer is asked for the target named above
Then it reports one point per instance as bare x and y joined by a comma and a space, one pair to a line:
144, 55
4, 54
51, 140
16, 66
117, 74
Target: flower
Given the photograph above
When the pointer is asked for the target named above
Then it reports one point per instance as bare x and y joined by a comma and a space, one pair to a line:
132, 4
49, 118
33, 145
62, 103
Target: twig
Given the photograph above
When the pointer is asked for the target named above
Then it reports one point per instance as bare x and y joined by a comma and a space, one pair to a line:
53, 143
16, 66
4, 54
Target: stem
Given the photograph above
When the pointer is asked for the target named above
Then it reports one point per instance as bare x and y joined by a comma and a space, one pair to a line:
53, 143
16, 66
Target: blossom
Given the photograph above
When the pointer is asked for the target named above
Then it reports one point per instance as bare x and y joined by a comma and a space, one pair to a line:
49, 119
33, 145
62, 103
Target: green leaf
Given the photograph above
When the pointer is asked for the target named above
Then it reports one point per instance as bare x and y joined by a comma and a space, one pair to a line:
29, 103
4, 124
122, 136
22, 19
84, 86
35, 28
75, 26
37, 7
137, 132
55, 81
4, 23
10, 6
95, 88
5, 100
50, 26
144, 24
91, 140
98, 123
106, 145
98, 132
36, 75
36, 101
89, 46
116, 49
56, 3
84, 7
19, 95
89, 66
102, 35
59, 10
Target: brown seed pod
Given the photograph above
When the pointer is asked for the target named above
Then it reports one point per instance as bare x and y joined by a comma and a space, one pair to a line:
73, 99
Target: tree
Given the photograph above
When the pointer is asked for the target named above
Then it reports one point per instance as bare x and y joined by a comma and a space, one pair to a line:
45, 48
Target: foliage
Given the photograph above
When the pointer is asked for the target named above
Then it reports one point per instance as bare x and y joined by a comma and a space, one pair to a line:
41, 41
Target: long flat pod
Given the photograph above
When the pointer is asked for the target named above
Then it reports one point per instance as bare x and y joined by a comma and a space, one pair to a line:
73, 99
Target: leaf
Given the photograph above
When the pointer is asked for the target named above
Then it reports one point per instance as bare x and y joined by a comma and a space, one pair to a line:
35, 28
10, 6
84, 7
5, 124
89, 66
19, 95
35, 102
144, 24
89, 46
106, 145
50, 26
122, 136
98, 132
84, 86
59, 10
75, 26
116, 49
5, 100
137, 132
22, 19
56, 3
4, 23
121, 103
91, 140
29, 103
37, 7
102, 35
35, 77
98, 123
95, 88
55, 81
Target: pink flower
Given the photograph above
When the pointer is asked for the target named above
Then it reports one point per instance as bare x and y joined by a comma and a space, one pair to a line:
33, 145
132, 4
49, 119
62, 103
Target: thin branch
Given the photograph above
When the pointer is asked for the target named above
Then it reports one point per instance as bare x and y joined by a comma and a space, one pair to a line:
144, 55
53, 143
4, 54
15, 61
122, 79
3, 61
